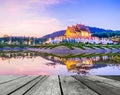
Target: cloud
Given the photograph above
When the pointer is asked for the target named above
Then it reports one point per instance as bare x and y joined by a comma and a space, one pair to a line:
27, 18
17, 5
32, 27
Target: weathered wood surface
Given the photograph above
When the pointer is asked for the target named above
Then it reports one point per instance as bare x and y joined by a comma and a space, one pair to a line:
113, 77
102, 86
5, 79
59, 85
71, 86
50, 86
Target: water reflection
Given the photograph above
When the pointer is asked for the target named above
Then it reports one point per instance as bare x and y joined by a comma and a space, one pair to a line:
86, 65
34, 63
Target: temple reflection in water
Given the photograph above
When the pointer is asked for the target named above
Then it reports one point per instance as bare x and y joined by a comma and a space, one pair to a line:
78, 65
83, 65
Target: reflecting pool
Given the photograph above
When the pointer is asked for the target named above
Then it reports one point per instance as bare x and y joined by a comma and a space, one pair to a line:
34, 63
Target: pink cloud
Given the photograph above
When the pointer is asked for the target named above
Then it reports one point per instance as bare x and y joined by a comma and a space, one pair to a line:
17, 19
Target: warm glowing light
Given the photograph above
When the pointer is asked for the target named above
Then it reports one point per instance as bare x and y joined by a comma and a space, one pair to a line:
78, 31
72, 64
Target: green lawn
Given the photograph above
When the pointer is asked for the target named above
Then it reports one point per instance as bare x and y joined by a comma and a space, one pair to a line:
68, 45
78, 45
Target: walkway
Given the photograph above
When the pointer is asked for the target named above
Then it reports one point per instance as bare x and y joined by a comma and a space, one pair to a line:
59, 85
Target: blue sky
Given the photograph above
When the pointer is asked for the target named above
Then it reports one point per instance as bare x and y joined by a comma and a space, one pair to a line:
99, 13
40, 17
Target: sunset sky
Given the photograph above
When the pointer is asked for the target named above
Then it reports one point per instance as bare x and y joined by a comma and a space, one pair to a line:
40, 17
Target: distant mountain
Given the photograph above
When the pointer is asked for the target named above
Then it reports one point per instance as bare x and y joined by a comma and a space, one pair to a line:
55, 34
99, 32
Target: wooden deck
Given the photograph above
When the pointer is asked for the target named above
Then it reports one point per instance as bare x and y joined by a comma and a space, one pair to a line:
59, 85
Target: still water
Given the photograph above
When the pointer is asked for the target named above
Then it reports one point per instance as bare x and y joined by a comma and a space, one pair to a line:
34, 63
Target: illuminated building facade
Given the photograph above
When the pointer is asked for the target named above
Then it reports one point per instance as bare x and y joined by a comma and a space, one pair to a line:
78, 34
78, 31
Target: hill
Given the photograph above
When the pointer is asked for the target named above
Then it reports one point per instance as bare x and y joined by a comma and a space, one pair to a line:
99, 32
55, 34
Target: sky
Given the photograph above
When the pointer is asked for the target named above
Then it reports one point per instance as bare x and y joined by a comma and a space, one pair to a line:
36, 18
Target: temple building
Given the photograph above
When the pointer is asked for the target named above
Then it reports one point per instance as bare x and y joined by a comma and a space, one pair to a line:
78, 31
78, 34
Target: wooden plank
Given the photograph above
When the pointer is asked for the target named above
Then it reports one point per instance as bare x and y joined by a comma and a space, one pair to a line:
36, 87
5, 79
112, 77
100, 85
11, 86
106, 81
71, 86
50, 86
25, 88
